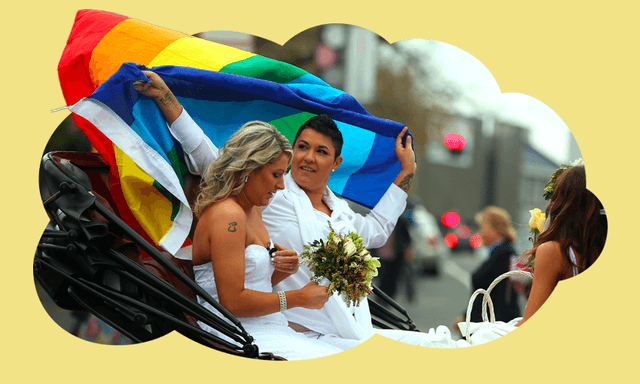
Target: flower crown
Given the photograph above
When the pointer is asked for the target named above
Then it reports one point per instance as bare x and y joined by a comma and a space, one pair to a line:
550, 187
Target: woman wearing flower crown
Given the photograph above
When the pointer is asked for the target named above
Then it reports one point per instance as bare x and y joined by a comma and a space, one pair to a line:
573, 238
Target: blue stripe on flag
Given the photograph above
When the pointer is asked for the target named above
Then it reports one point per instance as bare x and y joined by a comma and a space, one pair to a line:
378, 171
220, 103
355, 152
220, 119
147, 114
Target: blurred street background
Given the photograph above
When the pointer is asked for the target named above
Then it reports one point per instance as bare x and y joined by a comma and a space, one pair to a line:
474, 147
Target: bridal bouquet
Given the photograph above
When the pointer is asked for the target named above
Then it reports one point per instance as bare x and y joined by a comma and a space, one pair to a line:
343, 260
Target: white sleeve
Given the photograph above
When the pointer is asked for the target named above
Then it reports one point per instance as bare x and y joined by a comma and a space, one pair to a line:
282, 223
198, 149
376, 227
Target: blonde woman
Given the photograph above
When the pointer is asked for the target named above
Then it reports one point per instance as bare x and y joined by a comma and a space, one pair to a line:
300, 214
498, 235
231, 244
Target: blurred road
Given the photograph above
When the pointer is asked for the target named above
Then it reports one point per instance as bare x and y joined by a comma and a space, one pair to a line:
440, 299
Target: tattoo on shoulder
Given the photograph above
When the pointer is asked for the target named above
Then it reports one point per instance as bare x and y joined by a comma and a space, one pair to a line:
232, 226
405, 184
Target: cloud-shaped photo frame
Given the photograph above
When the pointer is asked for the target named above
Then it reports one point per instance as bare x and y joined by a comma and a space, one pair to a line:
433, 83
553, 73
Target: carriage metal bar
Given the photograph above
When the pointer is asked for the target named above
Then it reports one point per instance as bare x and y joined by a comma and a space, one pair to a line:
389, 317
168, 289
156, 312
389, 300
105, 314
79, 284
95, 289
156, 255
194, 309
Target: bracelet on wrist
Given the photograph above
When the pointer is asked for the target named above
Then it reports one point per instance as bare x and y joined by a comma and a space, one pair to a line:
283, 301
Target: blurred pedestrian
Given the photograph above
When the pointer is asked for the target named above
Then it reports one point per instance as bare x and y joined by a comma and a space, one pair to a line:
395, 257
499, 235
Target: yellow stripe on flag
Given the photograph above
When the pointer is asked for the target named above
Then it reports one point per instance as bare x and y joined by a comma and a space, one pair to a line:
151, 208
199, 53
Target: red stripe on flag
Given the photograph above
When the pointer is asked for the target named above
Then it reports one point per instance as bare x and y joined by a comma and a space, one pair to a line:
73, 69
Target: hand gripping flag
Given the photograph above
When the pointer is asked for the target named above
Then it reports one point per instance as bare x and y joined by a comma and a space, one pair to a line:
221, 88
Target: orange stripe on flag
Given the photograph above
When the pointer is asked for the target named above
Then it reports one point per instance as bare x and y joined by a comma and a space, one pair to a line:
123, 44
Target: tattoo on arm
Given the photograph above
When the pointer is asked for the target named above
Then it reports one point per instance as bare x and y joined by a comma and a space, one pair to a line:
405, 184
232, 226
167, 99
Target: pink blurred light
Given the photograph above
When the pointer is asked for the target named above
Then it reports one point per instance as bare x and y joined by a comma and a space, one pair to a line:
475, 241
450, 240
450, 219
463, 232
454, 141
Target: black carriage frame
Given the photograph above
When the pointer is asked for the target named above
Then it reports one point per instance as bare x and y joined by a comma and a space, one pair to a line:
90, 260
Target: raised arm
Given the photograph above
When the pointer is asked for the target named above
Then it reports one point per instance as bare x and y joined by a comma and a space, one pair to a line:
158, 90
407, 159
198, 149
376, 227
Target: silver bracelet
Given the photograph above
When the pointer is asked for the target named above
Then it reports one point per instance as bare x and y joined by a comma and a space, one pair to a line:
283, 301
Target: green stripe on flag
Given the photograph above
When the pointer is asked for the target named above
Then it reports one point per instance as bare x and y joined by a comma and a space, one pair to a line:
260, 67
180, 168
289, 125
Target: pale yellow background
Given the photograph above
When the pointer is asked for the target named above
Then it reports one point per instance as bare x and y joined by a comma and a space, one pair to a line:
581, 61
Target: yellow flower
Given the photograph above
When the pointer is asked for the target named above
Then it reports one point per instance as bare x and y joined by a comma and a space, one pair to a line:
536, 222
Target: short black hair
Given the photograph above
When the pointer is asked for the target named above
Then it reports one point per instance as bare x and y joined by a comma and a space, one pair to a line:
325, 125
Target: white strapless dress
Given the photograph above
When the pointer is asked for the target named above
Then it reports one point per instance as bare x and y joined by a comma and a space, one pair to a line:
271, 332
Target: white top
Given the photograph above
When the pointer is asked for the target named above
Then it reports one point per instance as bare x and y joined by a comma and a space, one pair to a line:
271, 332
572, 256
292, 222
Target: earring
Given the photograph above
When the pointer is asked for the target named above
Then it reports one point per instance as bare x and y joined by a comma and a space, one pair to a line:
246, 178
333, 170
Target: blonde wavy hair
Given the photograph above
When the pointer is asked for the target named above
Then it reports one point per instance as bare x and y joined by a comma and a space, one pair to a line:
499, 219
253, 146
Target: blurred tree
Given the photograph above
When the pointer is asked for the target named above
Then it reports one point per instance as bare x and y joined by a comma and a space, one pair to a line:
298, 51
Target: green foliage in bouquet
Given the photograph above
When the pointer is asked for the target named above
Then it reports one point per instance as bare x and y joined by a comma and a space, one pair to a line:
344, 261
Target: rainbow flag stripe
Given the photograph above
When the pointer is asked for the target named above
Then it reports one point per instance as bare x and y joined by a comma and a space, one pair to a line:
221, 88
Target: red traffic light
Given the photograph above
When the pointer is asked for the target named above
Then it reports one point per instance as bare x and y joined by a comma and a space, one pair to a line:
450, 240
450, 219
454, 141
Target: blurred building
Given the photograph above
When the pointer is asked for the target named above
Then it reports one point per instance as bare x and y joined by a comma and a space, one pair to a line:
497, 166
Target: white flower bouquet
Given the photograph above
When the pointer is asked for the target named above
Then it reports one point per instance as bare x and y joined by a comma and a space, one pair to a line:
344, 261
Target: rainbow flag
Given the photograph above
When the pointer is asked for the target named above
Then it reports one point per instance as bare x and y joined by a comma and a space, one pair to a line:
221, 88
